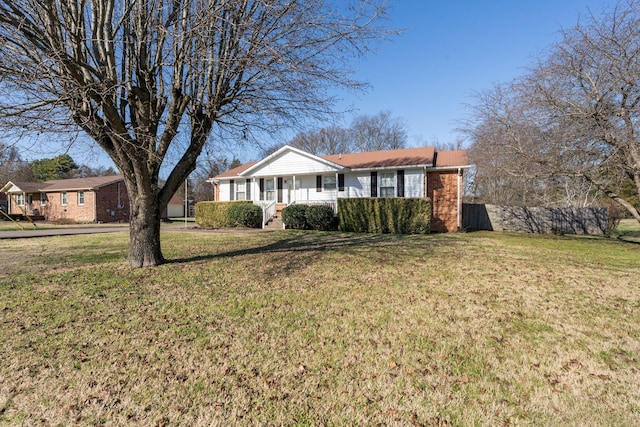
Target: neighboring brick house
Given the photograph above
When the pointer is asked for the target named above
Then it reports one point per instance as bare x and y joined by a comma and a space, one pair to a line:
291, 176
94, 199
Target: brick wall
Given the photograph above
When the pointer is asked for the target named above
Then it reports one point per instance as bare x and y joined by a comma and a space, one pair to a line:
112, 203
442, 189
72, 210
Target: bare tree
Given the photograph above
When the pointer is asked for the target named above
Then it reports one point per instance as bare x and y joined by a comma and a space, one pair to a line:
366, 133
569, 128
324, 141
378, 132
135, 74
12, 166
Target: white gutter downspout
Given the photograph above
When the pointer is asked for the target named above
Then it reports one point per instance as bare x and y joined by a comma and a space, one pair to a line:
459, 213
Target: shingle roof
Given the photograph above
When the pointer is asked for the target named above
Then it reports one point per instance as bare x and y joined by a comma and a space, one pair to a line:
236, 171
451, 158
90, 183
28, 187
422, 156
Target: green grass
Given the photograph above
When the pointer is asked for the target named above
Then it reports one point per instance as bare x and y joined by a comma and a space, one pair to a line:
628, 229
303, 328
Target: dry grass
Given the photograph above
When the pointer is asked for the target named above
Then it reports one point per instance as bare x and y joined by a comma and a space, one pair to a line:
294, 328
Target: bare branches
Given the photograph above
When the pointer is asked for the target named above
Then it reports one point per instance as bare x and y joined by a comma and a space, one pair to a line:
573, 120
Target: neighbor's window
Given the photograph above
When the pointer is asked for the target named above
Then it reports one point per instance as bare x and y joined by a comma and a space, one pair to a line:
329, 182
387, 184
271, 194
81, 197
241, 190
63, 198
43, 199
20, 199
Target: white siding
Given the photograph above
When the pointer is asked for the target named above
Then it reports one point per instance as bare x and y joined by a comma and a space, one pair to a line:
357, 185
309, 192
413, 183
290, 163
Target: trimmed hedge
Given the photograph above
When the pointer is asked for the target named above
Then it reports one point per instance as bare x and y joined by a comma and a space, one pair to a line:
308, 217
226, 214
245, 215
295, 217
320, 218
385, 215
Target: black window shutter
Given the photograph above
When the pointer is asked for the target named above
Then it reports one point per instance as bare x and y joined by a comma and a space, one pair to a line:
232, 190
340, 182
261, 188
318, 183
374, 184
400, 183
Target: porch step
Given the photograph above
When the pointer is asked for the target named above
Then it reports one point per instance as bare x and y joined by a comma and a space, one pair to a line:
274, 224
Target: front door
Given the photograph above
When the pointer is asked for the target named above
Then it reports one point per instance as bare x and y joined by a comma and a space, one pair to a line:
280, 188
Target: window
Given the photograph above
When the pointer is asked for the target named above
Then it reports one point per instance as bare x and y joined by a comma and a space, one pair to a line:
81, 197
387, 184
271, 195
63, 198
20, 199
241, 188
43, 199
329, 182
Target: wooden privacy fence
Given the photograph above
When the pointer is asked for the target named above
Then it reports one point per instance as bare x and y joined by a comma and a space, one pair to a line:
535, 219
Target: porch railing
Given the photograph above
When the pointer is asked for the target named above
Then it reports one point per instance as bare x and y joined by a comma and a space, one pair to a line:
268, 211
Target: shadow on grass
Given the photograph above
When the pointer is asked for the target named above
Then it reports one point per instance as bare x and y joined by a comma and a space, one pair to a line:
302, 243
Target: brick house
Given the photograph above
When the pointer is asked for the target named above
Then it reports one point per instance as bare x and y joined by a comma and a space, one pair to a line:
291, 176
94, 199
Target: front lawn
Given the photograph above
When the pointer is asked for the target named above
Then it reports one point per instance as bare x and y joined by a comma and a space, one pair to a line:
305, 328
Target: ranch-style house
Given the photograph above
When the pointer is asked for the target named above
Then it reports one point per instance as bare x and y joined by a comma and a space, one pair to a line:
291, 175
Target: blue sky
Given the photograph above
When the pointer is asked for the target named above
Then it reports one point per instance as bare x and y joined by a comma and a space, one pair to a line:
449, 51
453, 49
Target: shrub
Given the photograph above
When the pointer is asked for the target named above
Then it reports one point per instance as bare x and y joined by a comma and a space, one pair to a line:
320, 218
216, 214
385, 215
245, 215
294, 216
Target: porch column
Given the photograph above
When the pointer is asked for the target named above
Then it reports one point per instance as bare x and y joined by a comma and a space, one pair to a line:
337, 191
295, 196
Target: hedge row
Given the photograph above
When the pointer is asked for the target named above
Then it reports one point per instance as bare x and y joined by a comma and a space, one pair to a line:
228, 214
308, 217
385, 215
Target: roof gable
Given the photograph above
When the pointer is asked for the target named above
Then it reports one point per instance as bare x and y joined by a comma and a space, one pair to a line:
287, 160
21, 187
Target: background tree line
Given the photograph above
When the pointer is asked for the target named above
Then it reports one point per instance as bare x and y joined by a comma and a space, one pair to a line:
375, 132
567, 132
14, 168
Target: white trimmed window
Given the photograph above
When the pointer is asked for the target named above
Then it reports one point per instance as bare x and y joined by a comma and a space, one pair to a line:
63, 198
43, 199
20, 199
241, 190
80, 198
387, 184
271, 194
329, 182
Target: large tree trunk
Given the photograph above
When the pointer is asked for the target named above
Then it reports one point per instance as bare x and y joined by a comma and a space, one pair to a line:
144, 232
